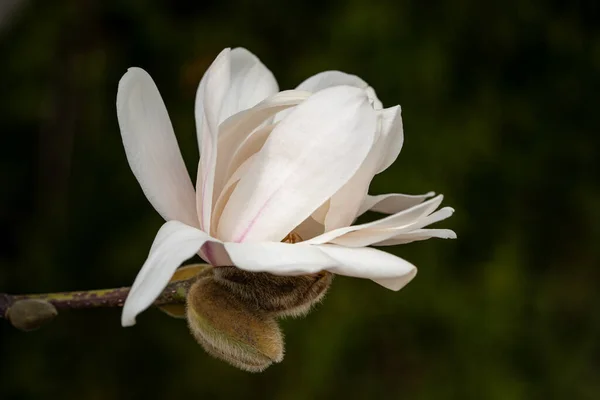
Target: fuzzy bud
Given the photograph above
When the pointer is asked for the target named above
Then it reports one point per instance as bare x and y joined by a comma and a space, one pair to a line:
276, 295
230, 329
184, 273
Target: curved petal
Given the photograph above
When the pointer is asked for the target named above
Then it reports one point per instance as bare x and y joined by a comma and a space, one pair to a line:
299, 259
368, 237
392, 203
278, 258
345, 204
416, 235
209, 99
251, 83
228, 190
237, 131
306, 159
392, 136
214, 253
250, 146
175, 242
406, 218
386, 269
327, 79
151, 148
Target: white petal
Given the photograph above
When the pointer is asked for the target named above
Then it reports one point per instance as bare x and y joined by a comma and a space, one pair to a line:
368, 237
240, 129
248, 120
327, 79
300, 259
251, 83
152, 149
392, 203
228, 190
209, 100
278, 258
345, 204
392, 135
386, 269
250, 146
402, 219
175, 242
416, 235
305, 160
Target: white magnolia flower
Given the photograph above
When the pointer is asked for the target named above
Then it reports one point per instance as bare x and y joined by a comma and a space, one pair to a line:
271, 163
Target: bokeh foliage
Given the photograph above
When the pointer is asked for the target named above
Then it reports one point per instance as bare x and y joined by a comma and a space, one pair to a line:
499, 103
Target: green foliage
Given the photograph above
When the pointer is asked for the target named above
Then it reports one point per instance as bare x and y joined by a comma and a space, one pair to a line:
498, 105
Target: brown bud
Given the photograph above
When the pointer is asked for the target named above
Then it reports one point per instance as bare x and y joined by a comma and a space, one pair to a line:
230, 329
276, 295
31, 314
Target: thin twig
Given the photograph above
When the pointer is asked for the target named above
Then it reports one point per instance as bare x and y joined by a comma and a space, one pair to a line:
174, 293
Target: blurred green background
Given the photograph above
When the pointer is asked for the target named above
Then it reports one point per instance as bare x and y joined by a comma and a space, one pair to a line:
500, 111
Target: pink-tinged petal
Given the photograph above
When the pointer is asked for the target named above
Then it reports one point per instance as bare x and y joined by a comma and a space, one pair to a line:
175, 242
368, 237
249, 146
308, 156
251, 83
209, 100
215, 254
300, 259
151, 148
416, 235
405, 218
228, 190
392, 203
241, 130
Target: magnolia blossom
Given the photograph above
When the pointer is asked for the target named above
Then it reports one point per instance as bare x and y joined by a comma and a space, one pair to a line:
271, 164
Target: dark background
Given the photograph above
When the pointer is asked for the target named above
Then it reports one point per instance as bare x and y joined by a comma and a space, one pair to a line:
500, 105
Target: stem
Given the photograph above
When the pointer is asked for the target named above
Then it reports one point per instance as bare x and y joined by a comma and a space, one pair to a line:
174, 293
